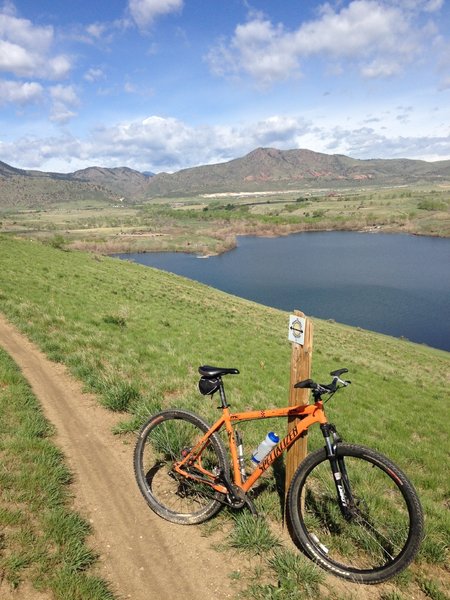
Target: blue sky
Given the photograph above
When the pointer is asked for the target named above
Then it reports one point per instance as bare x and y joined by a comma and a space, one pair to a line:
161, 85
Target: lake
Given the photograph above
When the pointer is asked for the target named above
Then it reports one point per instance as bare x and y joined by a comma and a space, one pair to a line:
389, 283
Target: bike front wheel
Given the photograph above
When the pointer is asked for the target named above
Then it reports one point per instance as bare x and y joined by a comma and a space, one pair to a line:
165, 439
373, 532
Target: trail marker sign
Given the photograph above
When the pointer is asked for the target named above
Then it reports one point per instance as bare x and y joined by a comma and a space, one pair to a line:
297, 329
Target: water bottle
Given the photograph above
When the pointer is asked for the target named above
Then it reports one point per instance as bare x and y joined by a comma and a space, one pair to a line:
269, 442
240, 453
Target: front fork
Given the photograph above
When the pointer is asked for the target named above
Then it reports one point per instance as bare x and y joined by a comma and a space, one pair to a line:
340, 475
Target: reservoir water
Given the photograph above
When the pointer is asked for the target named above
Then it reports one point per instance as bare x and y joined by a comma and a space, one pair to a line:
393, 284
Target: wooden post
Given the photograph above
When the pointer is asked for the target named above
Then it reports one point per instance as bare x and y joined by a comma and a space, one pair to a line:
300, 369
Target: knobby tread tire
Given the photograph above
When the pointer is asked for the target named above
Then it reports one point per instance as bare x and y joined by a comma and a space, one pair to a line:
311, 546
213, 504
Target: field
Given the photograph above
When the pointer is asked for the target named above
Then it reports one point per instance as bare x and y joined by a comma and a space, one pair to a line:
135, 337
210, 223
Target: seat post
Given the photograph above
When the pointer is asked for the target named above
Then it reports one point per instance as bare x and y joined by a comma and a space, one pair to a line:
223, 398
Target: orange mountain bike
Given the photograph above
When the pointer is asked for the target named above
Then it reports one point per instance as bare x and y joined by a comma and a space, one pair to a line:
350, 508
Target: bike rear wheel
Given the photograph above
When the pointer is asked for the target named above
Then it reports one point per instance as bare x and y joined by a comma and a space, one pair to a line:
382, 529
164, 439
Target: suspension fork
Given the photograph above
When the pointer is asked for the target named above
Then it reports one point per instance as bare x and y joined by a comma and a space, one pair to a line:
339, 470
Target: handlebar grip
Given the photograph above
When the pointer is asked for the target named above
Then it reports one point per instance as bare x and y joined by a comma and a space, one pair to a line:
338, 372
306, 383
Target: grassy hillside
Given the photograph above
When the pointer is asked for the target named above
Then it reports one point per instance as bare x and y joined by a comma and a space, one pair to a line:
24, 192
21, 189
136, 336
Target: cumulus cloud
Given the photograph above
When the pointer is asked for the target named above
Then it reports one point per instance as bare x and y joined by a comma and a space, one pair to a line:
259, 49
155, 143
101, 34
94, 74
20, 93
167, 144
378, 38
64, 99
144, 12
26, 49
158, 143
97, 30
36, 153
428, 6
366, 142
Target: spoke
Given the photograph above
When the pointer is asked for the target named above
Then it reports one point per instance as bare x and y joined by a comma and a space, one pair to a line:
371, 529
355, 536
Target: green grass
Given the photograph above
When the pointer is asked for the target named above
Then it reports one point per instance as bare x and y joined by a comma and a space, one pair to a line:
296, 578
42, 540
432, 589
252, 534
135, 336
392, 596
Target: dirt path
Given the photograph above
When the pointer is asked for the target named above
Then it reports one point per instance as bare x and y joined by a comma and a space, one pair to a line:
143, 556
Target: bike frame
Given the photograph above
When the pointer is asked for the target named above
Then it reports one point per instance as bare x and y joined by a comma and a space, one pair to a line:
308, 415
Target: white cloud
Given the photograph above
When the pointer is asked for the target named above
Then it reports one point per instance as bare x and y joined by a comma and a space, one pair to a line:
377, 38
380, 68
366, 142
154, 143
158, 143
363, 27
259, 49
94, 74
64, 98
26, 49
433, 5
58, 67
167, 144
144, 12
96, 30
19, 92
101, 34
16, 59
64, 93
428, 6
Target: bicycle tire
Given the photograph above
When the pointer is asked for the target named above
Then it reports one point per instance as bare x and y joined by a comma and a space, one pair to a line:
160, 442
383, 534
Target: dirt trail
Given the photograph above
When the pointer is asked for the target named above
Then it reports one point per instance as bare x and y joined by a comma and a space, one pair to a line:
141, 555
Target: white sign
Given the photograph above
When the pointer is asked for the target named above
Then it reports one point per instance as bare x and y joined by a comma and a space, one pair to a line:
297, 329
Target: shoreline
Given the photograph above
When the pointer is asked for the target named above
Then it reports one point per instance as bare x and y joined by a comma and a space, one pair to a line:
188, 250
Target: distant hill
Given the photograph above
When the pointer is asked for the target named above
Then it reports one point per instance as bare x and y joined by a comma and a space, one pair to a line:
272, 169
29, 189
119, 180
262, 169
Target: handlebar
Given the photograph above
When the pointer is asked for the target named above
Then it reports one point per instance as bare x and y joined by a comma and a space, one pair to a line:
321, 388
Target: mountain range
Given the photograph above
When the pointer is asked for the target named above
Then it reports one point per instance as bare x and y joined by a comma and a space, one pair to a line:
263, 169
